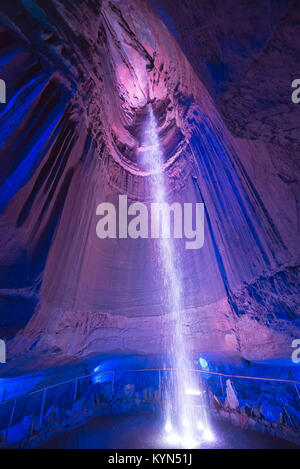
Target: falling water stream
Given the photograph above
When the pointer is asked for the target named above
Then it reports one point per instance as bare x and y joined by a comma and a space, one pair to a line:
185, 416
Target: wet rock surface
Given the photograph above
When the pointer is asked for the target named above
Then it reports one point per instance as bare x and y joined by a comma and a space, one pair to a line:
79, 76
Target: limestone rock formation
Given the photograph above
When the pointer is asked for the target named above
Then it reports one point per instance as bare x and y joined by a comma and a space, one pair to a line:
79, 76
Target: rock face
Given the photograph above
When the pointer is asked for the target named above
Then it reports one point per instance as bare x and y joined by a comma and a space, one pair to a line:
79, 76
231, 400
247, 55
252, 399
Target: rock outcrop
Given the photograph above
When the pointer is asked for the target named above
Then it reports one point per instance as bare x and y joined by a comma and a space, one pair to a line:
79, 76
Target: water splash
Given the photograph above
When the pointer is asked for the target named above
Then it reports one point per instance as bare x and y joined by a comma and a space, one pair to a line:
185, 416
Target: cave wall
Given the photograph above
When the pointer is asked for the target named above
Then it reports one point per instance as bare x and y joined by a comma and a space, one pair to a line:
79, 75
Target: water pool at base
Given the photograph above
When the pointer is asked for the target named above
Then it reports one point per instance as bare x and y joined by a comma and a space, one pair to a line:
143, 432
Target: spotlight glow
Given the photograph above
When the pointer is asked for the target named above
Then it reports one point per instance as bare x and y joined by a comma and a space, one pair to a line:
173, 438
185, 423
193, 392
168, 427
189, 442
200, 426
203, 363
208, 435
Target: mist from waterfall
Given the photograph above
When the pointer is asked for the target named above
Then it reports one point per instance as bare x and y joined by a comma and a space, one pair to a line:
185, 416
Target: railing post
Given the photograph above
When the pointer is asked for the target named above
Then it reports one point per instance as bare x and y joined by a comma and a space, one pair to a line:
297, 390
113, 383
75, 392
221, 382
43, 405
10, 419
159, 385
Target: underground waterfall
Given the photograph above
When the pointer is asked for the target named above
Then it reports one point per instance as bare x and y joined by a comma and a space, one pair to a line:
114, 332
186, 420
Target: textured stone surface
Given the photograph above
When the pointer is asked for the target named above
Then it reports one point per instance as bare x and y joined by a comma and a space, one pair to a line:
248, 55
79, 75
231, 400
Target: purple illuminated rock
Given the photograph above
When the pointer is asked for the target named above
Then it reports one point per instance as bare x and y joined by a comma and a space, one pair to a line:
231, 400
73, 139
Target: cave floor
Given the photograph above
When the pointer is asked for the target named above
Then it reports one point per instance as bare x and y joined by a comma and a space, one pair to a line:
145, 432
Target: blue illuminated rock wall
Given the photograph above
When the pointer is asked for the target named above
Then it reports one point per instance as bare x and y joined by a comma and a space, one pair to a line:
258, 404
37, 134
70, 136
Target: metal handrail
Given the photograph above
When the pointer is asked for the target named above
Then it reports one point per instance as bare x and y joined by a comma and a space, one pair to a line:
113, 372
217, 373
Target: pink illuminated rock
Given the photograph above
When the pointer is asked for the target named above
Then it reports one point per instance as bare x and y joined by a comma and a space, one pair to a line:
96, 66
